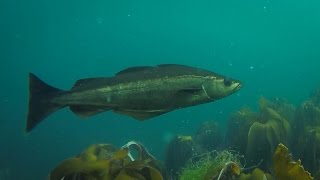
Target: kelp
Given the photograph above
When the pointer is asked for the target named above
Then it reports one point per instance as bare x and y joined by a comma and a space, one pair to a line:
179, 152
307, 132
256, 174
284, 168
105, 162
287, 169
238, 127
264, 135
209, 135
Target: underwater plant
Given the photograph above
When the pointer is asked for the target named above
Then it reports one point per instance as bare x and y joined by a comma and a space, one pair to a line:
285, 168
315, 97
209, 135
308, 148
264, 137
308, 113
280, 105
105, 162
178, 153
256, 174
307, 132
217, 165
255, 133
270, 129
238, 127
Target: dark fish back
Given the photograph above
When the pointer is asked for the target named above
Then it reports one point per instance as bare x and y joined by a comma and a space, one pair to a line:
141, 73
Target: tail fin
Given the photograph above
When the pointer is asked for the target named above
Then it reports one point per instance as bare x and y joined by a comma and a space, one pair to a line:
40, 106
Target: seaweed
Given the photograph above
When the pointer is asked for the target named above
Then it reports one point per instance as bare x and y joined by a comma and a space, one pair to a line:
285, 168
264, 137
105, 162
256, 174
210, 165
238, 127
209, 135
179, 151
307, 132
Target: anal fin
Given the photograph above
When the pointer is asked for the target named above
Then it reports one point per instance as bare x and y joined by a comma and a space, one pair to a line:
87, 111
140, 115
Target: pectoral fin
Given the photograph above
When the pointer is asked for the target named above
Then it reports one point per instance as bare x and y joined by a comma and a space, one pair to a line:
86, 111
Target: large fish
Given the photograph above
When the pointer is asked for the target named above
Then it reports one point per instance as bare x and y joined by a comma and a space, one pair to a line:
140, 92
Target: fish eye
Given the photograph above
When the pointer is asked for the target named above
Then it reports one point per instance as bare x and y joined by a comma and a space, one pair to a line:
227, 82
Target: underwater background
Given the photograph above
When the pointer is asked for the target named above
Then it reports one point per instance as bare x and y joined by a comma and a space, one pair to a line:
272, 46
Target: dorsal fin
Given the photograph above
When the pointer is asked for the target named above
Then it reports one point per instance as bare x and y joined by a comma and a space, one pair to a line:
171, 65
82, 82
133, 69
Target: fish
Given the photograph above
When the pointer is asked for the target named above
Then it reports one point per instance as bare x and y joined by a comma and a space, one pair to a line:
141, 92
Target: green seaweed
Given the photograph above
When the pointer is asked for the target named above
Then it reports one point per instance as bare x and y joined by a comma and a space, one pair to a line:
208, 165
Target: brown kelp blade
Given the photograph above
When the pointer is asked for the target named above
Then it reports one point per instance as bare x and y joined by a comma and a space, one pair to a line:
40, 106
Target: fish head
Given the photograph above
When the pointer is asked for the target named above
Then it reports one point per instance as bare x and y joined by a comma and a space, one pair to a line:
217, 87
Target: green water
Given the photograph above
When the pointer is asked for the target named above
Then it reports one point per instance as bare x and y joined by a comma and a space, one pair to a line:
272, 46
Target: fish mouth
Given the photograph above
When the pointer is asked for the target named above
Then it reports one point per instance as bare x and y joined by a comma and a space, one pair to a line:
238, 87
